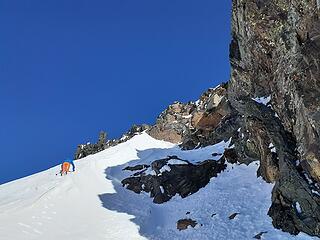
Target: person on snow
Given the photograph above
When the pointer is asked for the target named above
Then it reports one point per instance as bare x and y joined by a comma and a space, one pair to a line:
65, 167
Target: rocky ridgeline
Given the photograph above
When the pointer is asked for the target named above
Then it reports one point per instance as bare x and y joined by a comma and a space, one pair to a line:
176, 124
84, 150
270, 108
191, 124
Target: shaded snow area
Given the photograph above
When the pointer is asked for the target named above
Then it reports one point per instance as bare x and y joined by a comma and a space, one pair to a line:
91, 204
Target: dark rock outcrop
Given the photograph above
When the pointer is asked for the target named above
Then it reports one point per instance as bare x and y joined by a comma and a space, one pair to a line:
164, 179
259, 235
230, 155
84, 150
233, 216
183, 224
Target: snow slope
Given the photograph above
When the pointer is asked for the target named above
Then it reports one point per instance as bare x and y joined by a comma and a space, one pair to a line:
91, 204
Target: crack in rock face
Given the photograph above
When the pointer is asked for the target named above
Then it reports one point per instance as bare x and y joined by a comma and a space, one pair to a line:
170, 176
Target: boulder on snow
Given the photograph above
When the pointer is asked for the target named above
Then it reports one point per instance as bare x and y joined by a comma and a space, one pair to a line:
230, 155
183, 224
259, 235
232, 216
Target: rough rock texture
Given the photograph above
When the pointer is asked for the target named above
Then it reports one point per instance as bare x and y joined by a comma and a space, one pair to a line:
165, 180
270, 108
84, 150
275, 56
183, 224
179, 121
275, 52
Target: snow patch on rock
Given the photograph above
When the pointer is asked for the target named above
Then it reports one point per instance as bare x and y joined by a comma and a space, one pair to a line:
262, 100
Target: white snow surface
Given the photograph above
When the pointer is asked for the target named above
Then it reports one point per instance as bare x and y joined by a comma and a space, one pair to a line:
262, 100
272, 148
165, 168
177, 162
298, 207
91, 203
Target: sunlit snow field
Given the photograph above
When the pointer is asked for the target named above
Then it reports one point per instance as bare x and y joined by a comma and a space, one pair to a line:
91, 203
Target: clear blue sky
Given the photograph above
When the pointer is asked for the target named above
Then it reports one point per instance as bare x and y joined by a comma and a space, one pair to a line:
69, 69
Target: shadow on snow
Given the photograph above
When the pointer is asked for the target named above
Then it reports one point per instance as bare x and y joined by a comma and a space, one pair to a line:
145, 214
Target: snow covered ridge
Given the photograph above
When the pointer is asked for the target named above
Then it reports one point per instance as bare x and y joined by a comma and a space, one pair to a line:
92, 203
84, 150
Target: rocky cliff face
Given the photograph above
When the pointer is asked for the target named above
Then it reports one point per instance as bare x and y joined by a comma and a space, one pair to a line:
207, 121
270, 109
179, 120
275, 52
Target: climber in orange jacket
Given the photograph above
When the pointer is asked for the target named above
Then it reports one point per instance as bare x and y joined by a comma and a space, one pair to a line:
65, 166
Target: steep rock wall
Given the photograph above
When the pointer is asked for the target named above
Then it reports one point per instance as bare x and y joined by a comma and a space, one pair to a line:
275, 52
